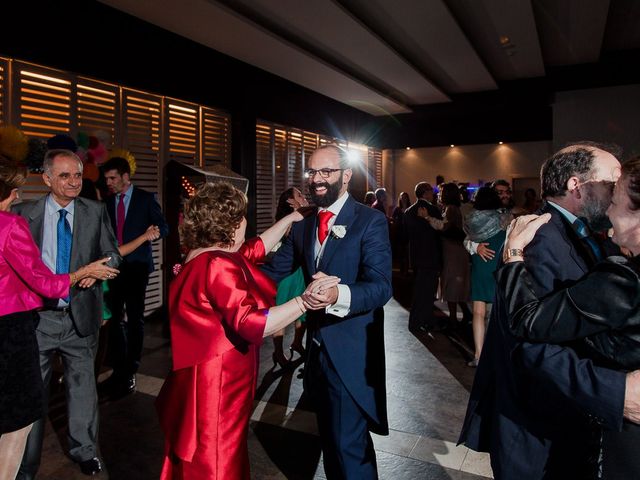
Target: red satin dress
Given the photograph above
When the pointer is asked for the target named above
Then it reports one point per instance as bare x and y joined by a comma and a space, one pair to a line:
217, 310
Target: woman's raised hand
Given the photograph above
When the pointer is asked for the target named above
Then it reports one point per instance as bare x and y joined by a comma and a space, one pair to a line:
522, 230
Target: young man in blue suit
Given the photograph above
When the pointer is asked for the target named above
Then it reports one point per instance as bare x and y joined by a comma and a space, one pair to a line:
345, 368
537, 408
132, 211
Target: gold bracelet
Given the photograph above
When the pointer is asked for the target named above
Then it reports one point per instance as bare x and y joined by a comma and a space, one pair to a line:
73, 278
513, 252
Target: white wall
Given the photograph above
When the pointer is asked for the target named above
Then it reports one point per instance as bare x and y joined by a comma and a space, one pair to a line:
469, 163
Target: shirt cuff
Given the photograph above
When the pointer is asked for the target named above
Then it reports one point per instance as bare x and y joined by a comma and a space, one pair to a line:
343, 303
472, 247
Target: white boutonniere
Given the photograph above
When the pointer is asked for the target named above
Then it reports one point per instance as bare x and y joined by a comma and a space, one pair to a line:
338, 231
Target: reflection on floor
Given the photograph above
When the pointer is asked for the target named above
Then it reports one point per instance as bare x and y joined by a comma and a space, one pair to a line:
427, 383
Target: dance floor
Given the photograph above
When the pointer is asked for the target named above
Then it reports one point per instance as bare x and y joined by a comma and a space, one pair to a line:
428, 385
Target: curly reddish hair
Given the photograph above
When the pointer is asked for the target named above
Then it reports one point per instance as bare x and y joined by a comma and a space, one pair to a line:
212, 216
11, 176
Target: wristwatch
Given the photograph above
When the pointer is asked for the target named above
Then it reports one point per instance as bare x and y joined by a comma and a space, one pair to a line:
513, 252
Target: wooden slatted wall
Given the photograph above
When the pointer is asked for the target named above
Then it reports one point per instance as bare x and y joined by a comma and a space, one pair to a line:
43, 102
281, 157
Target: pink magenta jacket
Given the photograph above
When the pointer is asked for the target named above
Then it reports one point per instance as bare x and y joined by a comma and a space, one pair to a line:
24, 279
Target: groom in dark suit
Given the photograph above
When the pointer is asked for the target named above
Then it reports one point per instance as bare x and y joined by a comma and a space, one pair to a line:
132, 211
70, 326
345, 369
534, 406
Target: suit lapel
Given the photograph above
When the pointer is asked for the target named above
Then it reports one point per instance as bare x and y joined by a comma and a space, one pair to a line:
131, 209
111, 210
309, 241
80, 214
36, 220
345, 217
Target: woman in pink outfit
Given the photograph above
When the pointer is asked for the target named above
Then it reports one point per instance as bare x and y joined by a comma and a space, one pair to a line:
24, 280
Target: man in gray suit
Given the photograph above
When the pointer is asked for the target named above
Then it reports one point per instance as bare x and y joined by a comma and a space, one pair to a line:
70, 232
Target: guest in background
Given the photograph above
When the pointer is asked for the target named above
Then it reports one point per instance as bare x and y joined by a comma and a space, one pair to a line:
369, 198
381, 200
463, 188
400, 241
531, 201
291, 286
206, 401
425, 253
486, 223
454, 278
132, 211
90, 191
503, 189
438, 185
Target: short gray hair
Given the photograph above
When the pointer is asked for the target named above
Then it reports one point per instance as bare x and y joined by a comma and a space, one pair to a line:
50, 156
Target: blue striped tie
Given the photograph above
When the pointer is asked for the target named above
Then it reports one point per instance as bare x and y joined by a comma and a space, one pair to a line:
63, 257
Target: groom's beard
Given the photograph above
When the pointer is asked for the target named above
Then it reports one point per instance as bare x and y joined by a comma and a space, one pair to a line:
331, 195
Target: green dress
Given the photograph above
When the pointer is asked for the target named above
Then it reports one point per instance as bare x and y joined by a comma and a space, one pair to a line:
290, 287
483, 285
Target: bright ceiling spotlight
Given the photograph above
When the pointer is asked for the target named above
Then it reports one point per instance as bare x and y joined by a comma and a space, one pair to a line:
353, 155
500, 143
408, 148
452, 145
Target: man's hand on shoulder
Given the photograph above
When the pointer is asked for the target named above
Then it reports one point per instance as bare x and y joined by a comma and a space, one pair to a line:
632, 397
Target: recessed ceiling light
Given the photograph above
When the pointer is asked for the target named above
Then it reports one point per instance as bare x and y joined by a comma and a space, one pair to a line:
500, 143
452, 145
408, 148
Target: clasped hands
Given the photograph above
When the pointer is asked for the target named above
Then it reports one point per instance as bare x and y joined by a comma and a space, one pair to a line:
152, 233
322, 292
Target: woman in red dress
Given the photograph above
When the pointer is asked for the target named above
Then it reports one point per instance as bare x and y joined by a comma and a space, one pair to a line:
220, 307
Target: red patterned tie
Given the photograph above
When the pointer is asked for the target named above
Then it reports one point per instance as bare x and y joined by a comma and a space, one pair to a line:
323, 226
120, 217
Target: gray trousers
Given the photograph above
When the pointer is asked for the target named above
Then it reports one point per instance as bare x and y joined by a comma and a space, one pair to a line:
56, 333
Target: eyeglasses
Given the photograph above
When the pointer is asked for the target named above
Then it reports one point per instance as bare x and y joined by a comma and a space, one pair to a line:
324, 172
608, 184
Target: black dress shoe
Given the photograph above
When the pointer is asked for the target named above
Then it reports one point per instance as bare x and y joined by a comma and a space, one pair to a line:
118, 386
130, 384
92, 466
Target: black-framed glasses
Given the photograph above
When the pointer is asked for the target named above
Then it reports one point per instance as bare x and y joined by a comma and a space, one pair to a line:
324, 172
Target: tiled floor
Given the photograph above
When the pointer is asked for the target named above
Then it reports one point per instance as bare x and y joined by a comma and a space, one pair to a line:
427, 383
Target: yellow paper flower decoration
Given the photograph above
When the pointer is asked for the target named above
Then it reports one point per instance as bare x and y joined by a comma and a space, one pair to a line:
13, 144
127, 155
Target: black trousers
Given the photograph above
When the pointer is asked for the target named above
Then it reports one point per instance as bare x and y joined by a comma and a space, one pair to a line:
425, 286
126, 334
347, 447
